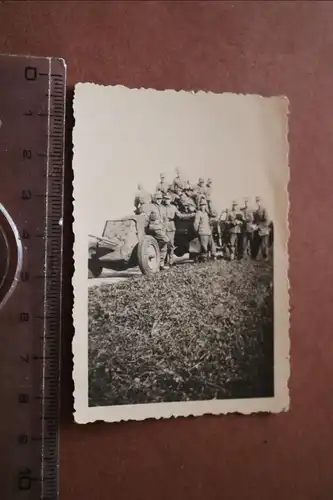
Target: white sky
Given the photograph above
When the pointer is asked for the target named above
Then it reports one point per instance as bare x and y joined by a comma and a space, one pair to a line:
124, 137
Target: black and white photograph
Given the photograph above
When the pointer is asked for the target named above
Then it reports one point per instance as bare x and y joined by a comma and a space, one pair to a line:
181, 302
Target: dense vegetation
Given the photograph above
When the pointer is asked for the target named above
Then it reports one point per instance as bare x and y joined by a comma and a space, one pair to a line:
193, 332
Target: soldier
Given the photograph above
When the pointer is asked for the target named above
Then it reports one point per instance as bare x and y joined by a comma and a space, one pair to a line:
215, 226
162, 186
247, 245
263, 224
175, 195
208, 194
156, 226
171, 213
224, 229
188, 186
142, 207
200, 191
185, 203
203, 228
188, 189
191, 206
190, 193
141, 194
234, 221
178, 181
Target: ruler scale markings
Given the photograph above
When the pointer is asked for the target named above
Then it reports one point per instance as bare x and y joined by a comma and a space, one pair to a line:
57, 211
37, 465
45, 282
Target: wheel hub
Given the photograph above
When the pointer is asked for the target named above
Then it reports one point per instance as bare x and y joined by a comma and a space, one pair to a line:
152, 257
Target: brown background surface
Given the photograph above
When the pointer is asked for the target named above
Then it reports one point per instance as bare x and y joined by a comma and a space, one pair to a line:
258, 47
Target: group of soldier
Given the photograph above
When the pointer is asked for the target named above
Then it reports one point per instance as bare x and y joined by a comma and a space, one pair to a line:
240, 232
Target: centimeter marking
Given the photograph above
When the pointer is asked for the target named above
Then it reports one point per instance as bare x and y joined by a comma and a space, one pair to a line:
42, 482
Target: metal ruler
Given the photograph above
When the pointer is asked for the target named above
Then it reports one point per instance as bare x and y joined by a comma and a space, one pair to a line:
32, 123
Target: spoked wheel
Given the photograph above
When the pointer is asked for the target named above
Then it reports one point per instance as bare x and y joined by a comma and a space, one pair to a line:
149, 255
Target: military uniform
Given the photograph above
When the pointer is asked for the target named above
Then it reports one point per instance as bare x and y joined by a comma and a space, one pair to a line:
202, 226
247, 231
156, 227
175, 194
143, 207
234, 221
263, 223
171, 212
208, 194
178, 182
140, 195
224, 229
215, 227
163, 187
185, 203
200, 192
190, 193
188, 186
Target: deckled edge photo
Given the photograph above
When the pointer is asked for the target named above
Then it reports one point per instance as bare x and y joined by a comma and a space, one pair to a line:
280, 402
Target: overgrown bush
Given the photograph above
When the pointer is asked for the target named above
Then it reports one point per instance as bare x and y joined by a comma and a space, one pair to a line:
193, 332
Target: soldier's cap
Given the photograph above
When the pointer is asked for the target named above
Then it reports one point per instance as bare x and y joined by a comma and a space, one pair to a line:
258, 198
246, 199
167, 196
203, 202
201, 179
234, 202
158, 195
162, 175
209, 180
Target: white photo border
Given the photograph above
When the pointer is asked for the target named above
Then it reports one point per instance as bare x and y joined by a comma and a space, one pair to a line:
281, 400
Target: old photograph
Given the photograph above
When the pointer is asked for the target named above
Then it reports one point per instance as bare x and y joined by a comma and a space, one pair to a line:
180, 209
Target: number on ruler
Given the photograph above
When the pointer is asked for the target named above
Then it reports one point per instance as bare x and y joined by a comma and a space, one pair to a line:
24, 317
27, 154
26, 194
30, 73
24, 398
23, 439
24, 479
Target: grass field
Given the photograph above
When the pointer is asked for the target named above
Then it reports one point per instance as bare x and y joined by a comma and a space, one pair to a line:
194, 332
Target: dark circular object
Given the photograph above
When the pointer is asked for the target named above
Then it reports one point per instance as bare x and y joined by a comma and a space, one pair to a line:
10, 255
148, 255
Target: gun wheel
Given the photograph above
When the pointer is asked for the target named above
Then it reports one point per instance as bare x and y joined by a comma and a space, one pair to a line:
148, 255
